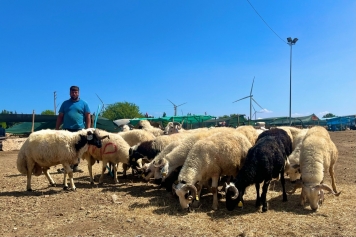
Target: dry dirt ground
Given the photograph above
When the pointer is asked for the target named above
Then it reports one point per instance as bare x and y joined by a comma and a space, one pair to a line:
135, 208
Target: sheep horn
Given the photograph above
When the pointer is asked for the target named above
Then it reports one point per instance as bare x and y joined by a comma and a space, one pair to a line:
158, 164
327, 188
192, 189
232, 188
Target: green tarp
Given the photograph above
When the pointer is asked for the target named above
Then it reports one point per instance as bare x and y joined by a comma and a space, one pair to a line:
25, 128
189, 119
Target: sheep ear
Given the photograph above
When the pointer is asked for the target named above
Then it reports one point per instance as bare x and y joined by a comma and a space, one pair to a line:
295, 166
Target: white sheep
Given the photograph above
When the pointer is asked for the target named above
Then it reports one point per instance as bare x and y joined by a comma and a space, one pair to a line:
136, 136
173, 127
166, 163
217, 155
292, 168
47, 148
146, 125
317, 154
114, 150
250, 132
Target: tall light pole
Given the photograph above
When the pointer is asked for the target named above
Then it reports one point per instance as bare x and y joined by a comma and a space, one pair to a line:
291, 43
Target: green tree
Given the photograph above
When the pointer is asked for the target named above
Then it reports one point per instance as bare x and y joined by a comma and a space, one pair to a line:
329, 115
47, 112
122, 110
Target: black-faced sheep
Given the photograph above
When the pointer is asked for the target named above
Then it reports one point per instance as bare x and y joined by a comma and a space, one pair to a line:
318, 154
133, 138
264, 161
149, 149
113, 150
214, 156
47, 148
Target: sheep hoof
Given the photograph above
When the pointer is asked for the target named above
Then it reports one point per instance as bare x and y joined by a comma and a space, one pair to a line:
264, 209
53, 185
92, 183
65, 188
29, 190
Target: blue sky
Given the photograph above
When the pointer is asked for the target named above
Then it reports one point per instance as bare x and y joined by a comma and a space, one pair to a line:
202, 53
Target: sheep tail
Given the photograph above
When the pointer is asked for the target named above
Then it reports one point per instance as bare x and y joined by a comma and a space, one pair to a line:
21, 163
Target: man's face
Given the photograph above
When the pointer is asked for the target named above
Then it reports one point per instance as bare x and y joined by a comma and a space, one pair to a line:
74, 94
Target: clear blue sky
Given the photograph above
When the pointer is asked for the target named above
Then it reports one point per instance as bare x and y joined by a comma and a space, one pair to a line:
202, 53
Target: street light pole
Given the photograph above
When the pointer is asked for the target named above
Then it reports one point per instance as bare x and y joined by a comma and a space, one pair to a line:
291, 43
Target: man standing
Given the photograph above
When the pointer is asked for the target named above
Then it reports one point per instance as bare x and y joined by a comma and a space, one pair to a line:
75, 115
2, 135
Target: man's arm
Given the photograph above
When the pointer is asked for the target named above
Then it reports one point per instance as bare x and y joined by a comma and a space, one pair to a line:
59, 120
87, 120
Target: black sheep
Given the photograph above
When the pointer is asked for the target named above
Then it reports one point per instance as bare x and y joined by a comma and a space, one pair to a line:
282, 136
143, 150
264, 161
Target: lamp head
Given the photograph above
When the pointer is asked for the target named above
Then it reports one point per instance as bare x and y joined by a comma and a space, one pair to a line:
295, 40
289, 39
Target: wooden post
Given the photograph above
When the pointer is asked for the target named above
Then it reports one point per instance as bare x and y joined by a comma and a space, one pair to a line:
33, 121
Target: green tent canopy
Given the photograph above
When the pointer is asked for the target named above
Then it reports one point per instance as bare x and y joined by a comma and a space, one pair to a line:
189, 119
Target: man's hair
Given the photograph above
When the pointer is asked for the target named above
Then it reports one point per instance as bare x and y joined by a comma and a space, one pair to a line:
74, 88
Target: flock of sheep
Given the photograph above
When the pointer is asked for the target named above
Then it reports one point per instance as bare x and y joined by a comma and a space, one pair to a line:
186, 161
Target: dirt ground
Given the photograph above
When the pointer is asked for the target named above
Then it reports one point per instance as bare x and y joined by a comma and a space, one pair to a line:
136, 208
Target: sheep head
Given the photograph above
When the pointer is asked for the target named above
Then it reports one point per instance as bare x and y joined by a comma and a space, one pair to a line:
231, 196
315, 195
186, 193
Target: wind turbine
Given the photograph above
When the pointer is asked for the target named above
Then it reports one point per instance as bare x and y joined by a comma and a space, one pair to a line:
102, 109
175, 107
251, 99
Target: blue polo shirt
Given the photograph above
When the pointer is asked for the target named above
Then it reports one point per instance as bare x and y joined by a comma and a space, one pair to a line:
74, 114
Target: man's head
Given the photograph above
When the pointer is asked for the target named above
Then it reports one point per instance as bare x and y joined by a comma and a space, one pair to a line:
74, 92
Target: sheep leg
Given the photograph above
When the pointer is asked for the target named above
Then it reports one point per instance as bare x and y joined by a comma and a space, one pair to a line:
214, 189
283, 186
71, 181
258, 198
48, 176
332, 175
125, 167
115, 174
91, 162
264, 195
102, 172
29, 175
69, 171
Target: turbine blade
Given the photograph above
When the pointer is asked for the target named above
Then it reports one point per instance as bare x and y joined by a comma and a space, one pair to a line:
257, 103
241, 99
171, 102
182, 104
252, 85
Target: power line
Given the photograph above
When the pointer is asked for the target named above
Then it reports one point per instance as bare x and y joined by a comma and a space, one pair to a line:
265, 22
